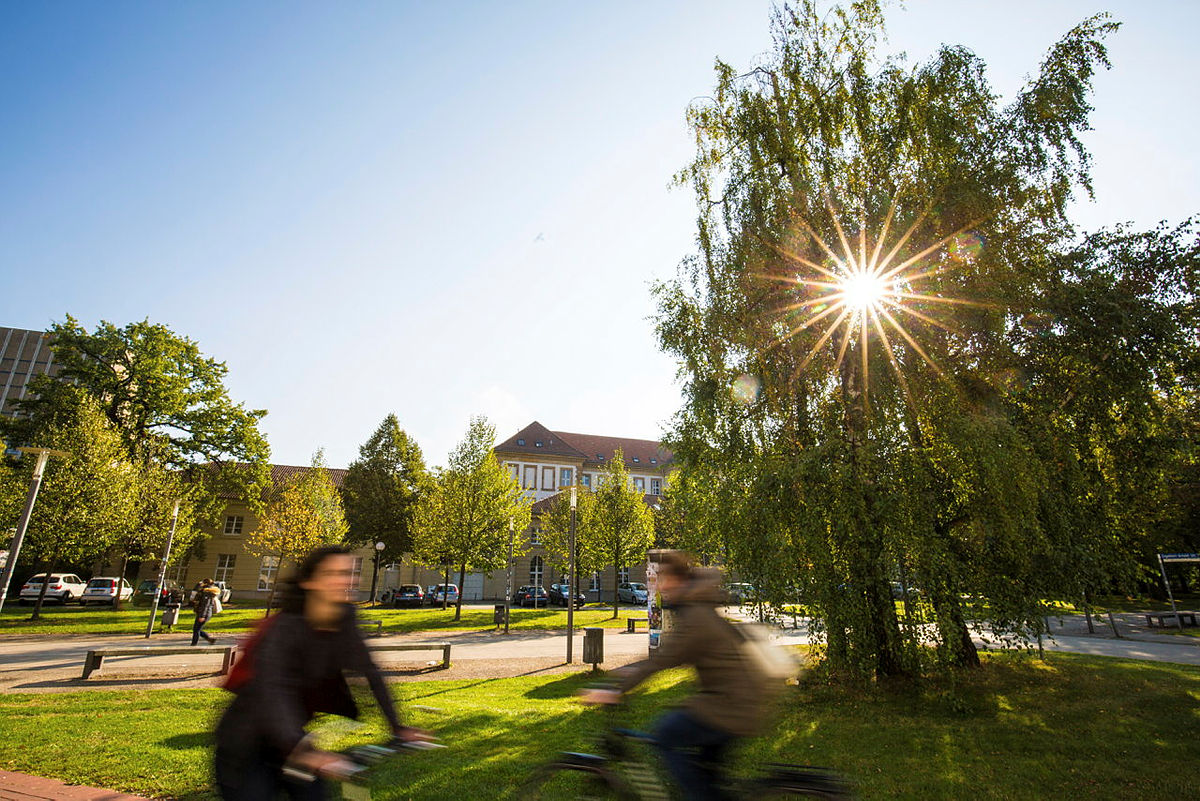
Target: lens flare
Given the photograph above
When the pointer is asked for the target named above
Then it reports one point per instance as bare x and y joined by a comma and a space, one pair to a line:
745, 389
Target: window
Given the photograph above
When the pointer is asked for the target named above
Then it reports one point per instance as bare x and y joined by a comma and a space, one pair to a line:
233, 525
595, 587
639, 484
537, 444
225, 563
515, 470
267, 569
535, 571
535, 536
586, 478
623, 575
520, 442
530, 478
547, 478
636, 460
178, 572
653, 461
656, 486
358, 563
566, 477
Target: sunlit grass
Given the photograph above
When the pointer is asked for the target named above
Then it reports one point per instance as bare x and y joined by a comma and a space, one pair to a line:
1069, 727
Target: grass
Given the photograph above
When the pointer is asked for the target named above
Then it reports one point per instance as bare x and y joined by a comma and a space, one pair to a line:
95, 620
1070, 727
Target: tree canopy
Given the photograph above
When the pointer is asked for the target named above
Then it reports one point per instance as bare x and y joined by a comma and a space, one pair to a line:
382, 488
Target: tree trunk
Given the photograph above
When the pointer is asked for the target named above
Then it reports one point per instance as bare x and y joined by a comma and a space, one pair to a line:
445, 596
462, 577
956, 643
616, 596
37, 605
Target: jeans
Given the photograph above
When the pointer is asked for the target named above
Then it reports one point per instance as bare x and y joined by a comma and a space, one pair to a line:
259, 777
198, 630
693, 751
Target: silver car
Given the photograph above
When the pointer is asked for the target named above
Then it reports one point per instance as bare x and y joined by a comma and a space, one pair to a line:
631, 592
103, 590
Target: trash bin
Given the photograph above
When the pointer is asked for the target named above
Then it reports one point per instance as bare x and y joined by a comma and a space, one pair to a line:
170, 616
593, 646
499, 614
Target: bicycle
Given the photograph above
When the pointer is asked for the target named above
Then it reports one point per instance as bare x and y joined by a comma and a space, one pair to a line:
618, 771
354, 780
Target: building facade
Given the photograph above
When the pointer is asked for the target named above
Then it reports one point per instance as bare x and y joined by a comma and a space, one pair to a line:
23, 355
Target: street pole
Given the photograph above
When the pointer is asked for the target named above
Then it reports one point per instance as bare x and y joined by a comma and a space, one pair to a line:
379, 546
571, 584
508, 577
162, 572
35, 483
1166, 583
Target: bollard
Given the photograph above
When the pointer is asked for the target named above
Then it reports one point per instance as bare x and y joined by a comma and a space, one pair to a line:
170, 616
498, 614
593, 646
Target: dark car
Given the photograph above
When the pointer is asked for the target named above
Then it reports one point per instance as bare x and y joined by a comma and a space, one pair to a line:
408, 595
171, 592
558, 595
530, 595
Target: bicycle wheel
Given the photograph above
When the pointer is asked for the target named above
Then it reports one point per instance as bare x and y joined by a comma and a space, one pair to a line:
559, 782
799, 783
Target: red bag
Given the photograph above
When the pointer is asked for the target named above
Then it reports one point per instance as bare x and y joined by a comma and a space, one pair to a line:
243, 665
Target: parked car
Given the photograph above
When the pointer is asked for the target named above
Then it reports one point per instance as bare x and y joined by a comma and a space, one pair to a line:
171, 592
558, 595
740, 593
631, 592
64, 588
103, 590
408, 595
436, 593
532, 595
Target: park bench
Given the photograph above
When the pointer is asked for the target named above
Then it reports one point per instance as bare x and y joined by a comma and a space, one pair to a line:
1161, 618
444, 647
631, 623
95, 659
372, 627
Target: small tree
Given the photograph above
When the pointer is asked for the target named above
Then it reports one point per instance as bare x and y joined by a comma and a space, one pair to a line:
86, 496
624, 525
305, 513
465, 519
555, 526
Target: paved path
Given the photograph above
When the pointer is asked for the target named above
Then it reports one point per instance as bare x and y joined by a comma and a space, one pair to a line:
20, 787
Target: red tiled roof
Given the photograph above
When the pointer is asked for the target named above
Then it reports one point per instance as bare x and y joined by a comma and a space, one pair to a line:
535, 438
545, 504
281, 473
592, 449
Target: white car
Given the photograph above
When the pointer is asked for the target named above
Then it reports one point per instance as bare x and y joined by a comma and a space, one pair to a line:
103, 590
64, 588
631, 592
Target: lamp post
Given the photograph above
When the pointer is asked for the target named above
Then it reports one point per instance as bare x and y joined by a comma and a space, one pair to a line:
508, 576
379, 546
162, 572
35, 483
571, 583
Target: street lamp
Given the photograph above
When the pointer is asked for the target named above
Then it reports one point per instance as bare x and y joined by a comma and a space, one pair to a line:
379, 546
571, 584
35, 483
508, 576
162, 573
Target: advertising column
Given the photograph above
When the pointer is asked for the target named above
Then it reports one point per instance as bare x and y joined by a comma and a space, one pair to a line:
658, 619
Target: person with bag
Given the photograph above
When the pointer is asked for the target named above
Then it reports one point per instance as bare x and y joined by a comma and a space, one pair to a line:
206, 604
292, 669
734, 694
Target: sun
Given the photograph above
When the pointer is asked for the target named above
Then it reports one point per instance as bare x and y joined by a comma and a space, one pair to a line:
866, 291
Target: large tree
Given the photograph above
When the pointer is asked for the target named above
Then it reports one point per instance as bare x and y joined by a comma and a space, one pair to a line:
870, 235
382, 487
465, 520
621, 527
302, 514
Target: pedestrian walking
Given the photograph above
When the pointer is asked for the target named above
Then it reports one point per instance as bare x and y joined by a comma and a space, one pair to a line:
205, 604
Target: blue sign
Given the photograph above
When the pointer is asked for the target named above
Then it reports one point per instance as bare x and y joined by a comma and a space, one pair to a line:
1179, 557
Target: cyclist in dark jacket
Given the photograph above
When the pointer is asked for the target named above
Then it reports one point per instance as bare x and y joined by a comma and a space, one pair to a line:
205, 605
296, 673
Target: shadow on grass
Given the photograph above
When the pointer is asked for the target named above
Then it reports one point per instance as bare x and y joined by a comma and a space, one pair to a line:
188, 742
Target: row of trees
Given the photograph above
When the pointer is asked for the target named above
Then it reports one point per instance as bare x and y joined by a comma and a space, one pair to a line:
902, 364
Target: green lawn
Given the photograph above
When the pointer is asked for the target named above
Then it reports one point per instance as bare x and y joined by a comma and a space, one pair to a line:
1070, 727
74, 619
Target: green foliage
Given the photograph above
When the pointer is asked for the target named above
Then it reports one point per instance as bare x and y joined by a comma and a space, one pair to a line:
382, 488
1000, 429
303, 514
555, 525
465, 520
622, 527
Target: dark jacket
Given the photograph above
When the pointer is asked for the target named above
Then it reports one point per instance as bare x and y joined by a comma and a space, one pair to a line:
205, 603
297, 672
733, 696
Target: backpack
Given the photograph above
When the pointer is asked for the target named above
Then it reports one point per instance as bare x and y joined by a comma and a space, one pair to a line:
770, 660
243, 666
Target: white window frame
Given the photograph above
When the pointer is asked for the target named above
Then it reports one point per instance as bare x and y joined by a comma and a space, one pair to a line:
548, 478
529, 477
535, 535
623, 575
639, 484
586, 480
595, 586
515, 469
233, 525
357, 575
268, 572
656, 486
566, 476
537, 569
226, 562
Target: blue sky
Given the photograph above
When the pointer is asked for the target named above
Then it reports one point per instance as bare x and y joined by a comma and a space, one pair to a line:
440, 209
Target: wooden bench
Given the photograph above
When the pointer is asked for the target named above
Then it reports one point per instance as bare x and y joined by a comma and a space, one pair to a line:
368, 625
1160, 618
95, 659
631, 624
444, 647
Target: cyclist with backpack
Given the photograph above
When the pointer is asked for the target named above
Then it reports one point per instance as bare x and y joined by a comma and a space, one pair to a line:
292, 670
732, 703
